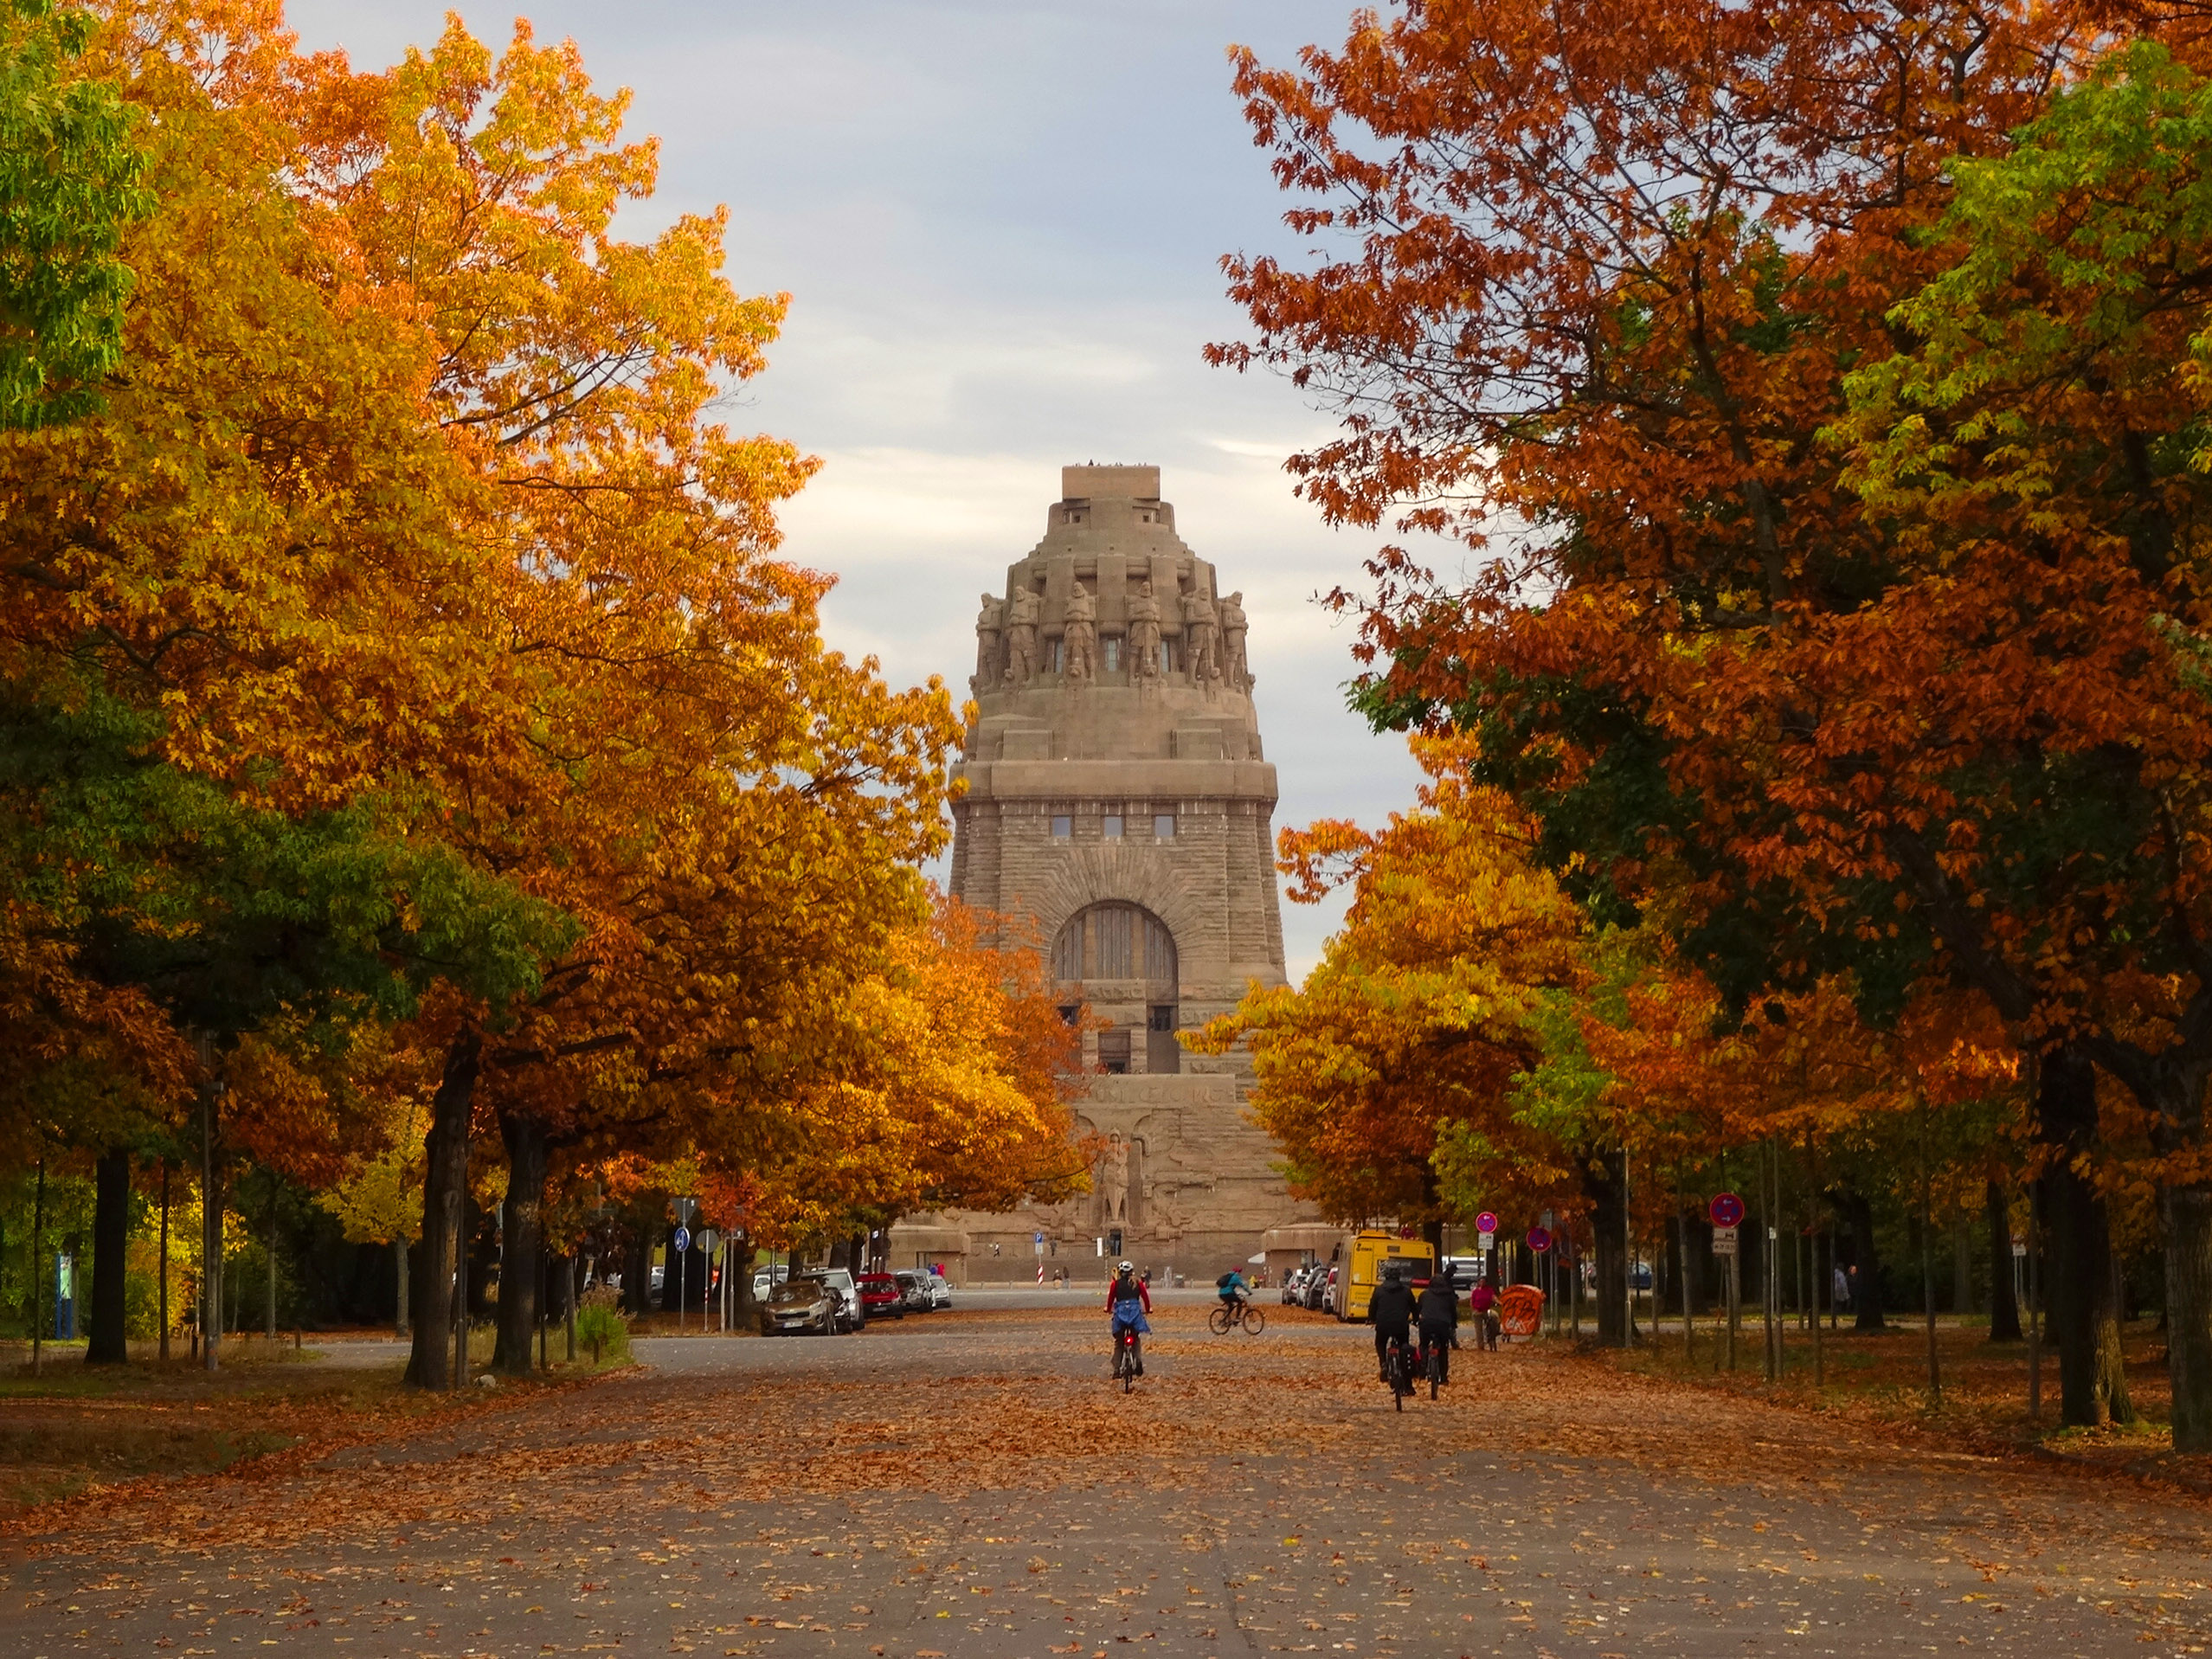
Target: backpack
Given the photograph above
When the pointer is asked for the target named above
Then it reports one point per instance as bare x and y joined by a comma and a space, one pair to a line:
1221, 1283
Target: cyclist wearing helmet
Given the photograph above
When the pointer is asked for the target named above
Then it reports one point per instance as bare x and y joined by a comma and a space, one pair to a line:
1128, 1300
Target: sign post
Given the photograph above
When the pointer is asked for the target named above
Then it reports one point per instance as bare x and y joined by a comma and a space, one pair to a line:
683, 1253
1726, 1210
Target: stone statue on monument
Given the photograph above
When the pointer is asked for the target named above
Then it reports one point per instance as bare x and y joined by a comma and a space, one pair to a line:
1144, 634
1233, 667
1201, 627
1079, 643
1024, 611
989, 621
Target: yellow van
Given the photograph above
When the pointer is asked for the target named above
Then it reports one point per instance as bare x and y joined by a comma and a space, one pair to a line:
1360, 1263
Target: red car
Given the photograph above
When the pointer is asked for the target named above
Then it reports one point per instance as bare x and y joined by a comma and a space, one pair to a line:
880, 1294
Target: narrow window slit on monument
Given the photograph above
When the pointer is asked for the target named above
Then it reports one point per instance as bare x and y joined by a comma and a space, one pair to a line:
1063, 827
1163, 827
1112, 829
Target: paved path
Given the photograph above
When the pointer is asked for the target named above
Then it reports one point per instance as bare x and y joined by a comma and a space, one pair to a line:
967, 1485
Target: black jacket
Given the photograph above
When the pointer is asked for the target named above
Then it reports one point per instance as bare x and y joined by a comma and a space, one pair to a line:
1392, 1303
1440, 1306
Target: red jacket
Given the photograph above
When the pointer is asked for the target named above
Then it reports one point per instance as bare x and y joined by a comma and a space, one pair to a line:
1144, 1294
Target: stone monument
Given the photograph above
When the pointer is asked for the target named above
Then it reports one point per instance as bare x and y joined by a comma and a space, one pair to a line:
1118, 797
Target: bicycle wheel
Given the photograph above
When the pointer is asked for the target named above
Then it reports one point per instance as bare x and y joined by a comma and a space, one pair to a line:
1217, 1321
1255, 1320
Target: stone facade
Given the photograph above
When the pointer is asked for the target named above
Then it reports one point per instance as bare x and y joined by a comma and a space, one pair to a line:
1117, 796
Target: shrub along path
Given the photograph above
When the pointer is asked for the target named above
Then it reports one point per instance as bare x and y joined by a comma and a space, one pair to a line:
967, 1484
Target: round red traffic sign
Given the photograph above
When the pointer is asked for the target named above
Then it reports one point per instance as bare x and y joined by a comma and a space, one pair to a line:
1540, 1240
1726, 1210
1486, 1223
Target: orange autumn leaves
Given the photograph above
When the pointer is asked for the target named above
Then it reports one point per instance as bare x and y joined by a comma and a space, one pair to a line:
412, 506
1468, 1041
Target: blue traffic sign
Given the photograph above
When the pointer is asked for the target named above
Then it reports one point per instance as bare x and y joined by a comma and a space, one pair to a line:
683, 1239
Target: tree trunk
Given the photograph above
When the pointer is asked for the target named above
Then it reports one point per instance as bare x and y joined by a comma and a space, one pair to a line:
1703, 1275
1866, 1295
2186, 1212
399, 1259
105, 1343
2084, 1319
522, 1213
1602, 1186
2004, 1305
637, 1270
746, 1312
445, 1189
1962, 1267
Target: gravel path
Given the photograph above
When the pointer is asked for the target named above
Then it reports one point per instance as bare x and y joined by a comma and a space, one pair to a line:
967, 1484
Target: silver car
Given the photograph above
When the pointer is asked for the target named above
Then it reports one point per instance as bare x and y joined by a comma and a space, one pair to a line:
914, 1290
804, 1306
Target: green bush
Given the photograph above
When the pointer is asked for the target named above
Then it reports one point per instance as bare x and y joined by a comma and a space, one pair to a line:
601, 1331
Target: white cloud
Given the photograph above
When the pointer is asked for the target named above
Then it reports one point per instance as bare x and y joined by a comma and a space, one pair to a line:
999, 221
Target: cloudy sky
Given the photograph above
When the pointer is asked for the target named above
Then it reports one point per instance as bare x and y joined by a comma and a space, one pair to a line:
999, 223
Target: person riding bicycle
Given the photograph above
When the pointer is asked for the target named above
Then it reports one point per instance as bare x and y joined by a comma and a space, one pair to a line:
1232, 1287
1128, 1300
1392, 1309
1439, 1314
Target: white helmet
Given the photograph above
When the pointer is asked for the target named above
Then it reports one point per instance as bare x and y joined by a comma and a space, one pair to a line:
1125, 1267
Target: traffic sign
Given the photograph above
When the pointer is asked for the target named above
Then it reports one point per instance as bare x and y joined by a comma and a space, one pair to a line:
1540, 1240
1726, 1210
1486, 1223
683, 1239
1723, 1241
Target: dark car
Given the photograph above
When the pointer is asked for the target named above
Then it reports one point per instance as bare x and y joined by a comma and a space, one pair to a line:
880, 1294
799, 1306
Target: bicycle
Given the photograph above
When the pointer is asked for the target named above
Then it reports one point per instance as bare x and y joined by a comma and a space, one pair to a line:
1125, 1357
1398, 1365
1432, 1364
1232, 1313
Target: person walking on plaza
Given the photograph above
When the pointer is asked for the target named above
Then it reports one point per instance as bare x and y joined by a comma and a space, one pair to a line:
1439, 1311
1483, 1302
1391, 1309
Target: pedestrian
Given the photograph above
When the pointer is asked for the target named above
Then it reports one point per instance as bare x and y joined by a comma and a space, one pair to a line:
1484, 1302
1842, 1289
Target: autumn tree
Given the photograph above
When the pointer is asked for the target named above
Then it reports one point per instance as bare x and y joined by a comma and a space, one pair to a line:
1410, 1032
1609, 281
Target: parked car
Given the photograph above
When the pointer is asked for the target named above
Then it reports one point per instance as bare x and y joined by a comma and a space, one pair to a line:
914, 1290
1328, 1295
881, 1295
804, 1306
765, 1279
855, 1314
940, 1290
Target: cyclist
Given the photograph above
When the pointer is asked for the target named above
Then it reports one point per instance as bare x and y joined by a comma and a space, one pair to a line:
1232, 1287
1439, 1313
1128, 1300
1392, 1309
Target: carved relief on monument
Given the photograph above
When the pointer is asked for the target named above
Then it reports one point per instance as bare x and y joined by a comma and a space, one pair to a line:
1144, 634
989, 622
1233, 625
1024, 611
1079, 644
